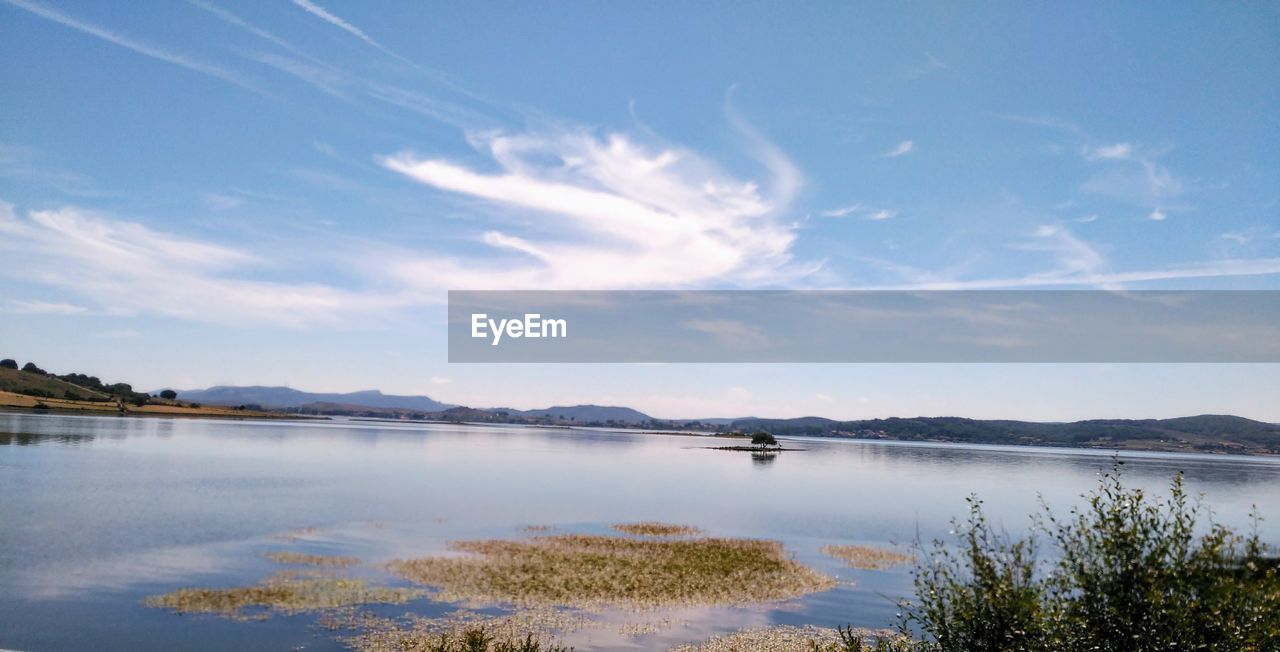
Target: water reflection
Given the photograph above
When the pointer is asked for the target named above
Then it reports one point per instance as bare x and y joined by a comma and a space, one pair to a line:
32, 439
98, 512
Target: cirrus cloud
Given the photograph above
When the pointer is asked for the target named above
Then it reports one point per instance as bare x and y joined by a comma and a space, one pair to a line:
606, 212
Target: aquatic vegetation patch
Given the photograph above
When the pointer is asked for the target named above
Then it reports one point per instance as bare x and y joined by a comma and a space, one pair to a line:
286, 592
789, 638
652, 529
528, 630
590, 571
867, 557
286, 557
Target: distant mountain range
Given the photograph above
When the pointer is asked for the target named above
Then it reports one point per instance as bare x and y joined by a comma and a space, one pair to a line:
1205, 433
287, 397
584, 413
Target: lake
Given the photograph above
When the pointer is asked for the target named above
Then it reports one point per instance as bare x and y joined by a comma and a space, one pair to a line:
96, 513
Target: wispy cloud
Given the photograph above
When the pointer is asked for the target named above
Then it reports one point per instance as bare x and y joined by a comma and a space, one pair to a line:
904, 147
139, 47
1114, 152
1072, 254
609, 212
323, 14
233, 19
1142, 182
46, 308
1157, 215
323, 78
221, 202
331, 18
1227, 268
842, 211
27, 164
1078, 263
127, 267
931, 64
858, 210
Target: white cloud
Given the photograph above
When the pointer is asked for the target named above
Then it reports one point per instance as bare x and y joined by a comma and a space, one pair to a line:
1085, 219
128, 267
1114, 152
440, 380
904, 147
882, 214
610, 213
1157, 215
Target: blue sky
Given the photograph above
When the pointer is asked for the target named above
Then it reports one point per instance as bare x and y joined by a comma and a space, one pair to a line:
281, 192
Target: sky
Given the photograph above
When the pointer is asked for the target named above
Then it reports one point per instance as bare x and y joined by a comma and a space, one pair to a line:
281, 192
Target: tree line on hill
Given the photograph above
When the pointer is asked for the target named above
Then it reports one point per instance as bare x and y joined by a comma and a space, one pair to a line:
97, 389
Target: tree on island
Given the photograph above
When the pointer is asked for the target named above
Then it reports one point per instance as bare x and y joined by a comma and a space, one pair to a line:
763, 439
168, 394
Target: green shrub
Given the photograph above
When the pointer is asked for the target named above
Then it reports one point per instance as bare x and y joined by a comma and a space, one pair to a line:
1131, 574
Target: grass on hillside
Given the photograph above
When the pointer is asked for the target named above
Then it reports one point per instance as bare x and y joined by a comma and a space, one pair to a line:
19, 382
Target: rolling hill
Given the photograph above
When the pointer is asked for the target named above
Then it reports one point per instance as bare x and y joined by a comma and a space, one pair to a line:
287, 397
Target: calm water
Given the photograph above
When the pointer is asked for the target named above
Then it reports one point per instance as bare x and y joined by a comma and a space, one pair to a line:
98, 512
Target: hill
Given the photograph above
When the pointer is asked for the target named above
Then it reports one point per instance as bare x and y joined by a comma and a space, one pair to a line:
1204, 433
37, 389
588, 414
45, 386
287, 397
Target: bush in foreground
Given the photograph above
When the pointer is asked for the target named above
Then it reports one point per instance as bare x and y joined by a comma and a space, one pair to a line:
1131, 573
